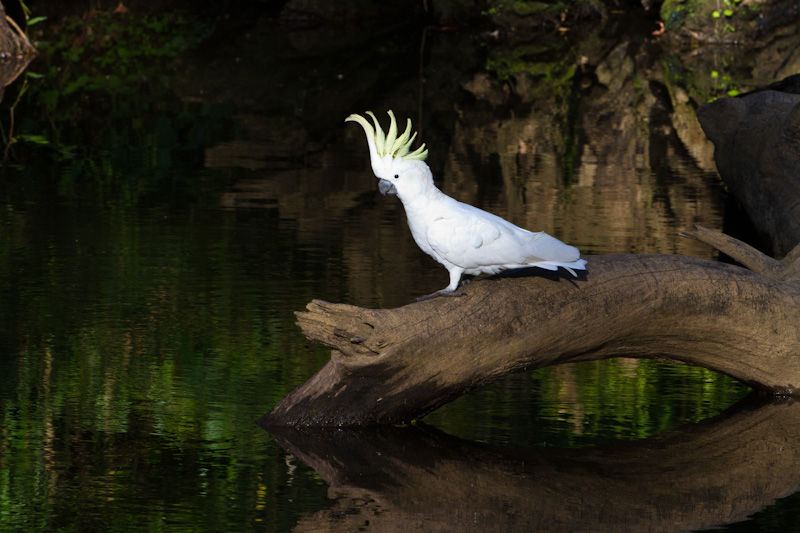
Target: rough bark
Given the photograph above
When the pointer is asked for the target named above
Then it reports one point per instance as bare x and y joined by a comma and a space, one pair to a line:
391, 366
719, 471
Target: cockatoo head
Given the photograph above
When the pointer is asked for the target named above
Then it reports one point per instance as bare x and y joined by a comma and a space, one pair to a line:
399, 170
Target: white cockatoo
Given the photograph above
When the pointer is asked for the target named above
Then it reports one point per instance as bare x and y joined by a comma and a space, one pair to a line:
465, 239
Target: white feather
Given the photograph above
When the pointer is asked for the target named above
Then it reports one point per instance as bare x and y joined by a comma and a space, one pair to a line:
465, 237
461, 237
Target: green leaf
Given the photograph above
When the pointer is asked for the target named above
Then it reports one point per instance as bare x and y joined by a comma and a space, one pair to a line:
714, 74
728, 12
36, 139
35, 20
715, 14
77, 84
34, 75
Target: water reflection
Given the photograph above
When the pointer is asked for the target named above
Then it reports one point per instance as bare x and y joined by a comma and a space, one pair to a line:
170, 209
416, 478
587, 404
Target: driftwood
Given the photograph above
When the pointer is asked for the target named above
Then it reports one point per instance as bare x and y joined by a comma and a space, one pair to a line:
716, 472
391, 366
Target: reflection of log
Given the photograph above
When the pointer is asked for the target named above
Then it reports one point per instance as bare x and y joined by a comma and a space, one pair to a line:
395, 365
411, 479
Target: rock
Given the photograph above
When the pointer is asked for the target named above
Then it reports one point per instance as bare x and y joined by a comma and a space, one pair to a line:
757, 152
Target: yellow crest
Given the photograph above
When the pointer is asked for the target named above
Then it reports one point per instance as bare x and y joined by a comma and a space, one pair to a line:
389, 143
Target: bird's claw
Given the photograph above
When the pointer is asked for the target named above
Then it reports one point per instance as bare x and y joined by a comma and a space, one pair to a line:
443, 292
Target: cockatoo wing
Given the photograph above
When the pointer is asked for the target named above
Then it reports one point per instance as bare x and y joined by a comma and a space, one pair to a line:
473, 239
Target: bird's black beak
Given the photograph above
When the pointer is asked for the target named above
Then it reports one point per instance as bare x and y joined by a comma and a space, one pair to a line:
387, 188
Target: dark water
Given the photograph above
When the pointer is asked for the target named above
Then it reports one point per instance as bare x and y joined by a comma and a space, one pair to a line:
157, 233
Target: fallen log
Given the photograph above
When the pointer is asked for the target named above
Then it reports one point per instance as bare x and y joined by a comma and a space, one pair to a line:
392, 366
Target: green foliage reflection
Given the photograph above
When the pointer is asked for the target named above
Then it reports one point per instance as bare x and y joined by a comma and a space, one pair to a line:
586, 404
136, 356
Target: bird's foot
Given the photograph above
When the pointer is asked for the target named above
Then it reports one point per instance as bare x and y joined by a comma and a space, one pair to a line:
443, 292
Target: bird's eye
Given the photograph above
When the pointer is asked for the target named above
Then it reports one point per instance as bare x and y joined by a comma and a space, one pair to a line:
396, 176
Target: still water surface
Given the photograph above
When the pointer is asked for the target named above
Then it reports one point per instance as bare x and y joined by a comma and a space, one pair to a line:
147, 291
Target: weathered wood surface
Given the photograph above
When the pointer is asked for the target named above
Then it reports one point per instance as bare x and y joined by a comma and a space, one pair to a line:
391, 366
718, 471
394, 365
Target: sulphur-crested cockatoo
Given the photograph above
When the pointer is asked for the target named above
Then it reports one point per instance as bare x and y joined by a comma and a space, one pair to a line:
465, 239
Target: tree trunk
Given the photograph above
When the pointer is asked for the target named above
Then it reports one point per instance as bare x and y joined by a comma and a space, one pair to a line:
391, 366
